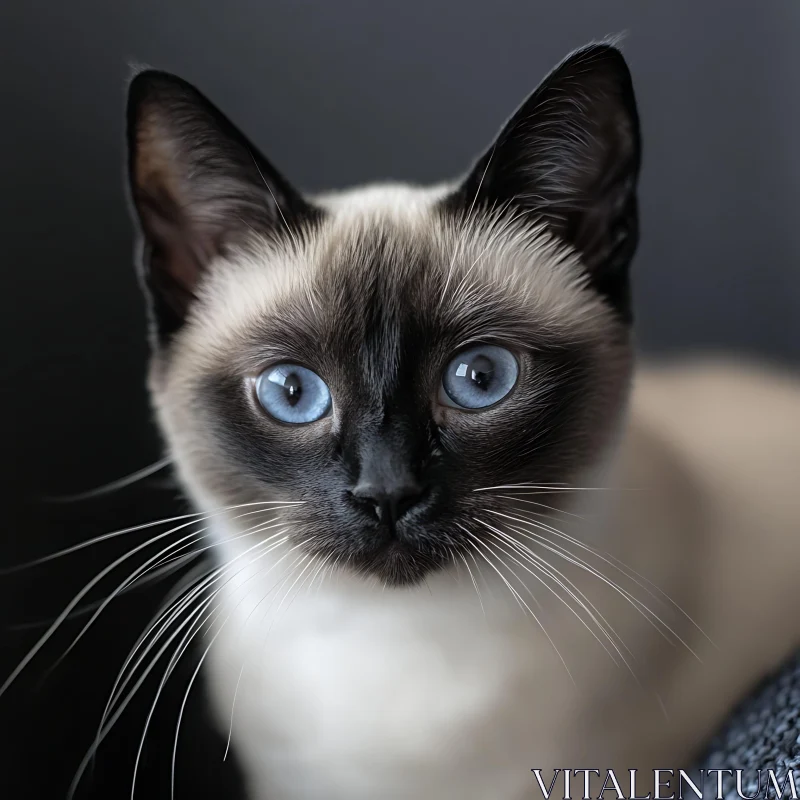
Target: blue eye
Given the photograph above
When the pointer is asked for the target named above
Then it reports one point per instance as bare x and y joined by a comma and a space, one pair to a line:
293, 394
479, 377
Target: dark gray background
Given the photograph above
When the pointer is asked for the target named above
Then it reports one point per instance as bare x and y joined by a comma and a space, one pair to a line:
344, 92
336, 92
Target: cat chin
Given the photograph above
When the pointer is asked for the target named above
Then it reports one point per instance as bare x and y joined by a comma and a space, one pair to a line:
399, 565
390, 558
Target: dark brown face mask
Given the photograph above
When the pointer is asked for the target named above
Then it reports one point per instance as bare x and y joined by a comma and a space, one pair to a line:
388, 466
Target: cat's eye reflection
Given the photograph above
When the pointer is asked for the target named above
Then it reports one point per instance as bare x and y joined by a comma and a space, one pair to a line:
479, 377
291, 393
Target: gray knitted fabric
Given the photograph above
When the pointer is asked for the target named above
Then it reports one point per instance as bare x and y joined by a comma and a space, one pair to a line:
763, 733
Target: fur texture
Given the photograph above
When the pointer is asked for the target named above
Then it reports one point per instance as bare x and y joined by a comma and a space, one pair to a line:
539, 605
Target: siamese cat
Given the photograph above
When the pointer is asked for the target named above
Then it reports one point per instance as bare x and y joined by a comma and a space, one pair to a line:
456, 537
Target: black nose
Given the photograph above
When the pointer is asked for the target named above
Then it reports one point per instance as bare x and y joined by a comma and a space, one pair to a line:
388, 503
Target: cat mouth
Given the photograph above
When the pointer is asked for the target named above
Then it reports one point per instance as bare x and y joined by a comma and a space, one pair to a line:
399, 563
397, 550
397, 555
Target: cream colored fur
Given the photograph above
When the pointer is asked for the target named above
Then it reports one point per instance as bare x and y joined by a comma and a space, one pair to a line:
336, 688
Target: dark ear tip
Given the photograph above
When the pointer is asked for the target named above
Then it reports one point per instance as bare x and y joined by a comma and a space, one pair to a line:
599, 55
148, 84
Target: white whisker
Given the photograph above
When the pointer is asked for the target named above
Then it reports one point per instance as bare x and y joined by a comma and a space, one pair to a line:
516, 499
516, 595
113, 486
191, 620
518, 598
277, 204
468, 217
545, 488
549, 571
177, 606
186, 541
474, 583
628, 572
197, 516
244, 662
572, 558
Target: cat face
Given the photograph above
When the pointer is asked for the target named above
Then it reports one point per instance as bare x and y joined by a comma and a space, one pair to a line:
384, 354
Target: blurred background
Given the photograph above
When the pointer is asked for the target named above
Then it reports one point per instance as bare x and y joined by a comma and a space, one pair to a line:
335, 92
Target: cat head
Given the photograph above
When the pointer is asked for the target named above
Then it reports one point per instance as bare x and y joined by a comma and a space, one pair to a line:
381, 355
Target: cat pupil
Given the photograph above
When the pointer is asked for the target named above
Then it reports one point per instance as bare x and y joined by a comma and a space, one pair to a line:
293, 388
481, 371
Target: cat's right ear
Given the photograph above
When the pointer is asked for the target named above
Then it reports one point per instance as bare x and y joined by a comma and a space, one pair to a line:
198, 186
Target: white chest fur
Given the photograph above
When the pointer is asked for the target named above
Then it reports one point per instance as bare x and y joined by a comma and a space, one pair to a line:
346, 691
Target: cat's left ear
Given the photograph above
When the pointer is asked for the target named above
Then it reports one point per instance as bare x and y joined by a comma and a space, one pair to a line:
569, 157
198, 186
